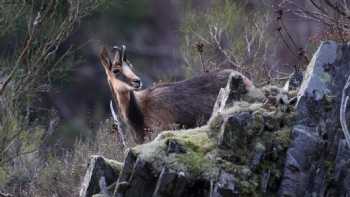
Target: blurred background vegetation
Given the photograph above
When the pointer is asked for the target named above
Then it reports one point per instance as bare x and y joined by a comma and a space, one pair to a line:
54, 99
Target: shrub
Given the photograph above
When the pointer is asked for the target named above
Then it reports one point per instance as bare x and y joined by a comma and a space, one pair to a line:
226, 35
31, 59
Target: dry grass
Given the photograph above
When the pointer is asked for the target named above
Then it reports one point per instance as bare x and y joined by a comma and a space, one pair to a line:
61, 175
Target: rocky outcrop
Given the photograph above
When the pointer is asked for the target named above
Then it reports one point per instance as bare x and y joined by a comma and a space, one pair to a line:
277, 146
100, 174
318, 159
228, 156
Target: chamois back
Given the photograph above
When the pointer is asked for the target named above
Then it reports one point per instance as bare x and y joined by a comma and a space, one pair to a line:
187, 103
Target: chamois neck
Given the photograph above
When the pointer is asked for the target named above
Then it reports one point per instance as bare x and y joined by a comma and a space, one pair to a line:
134, 113
131, 112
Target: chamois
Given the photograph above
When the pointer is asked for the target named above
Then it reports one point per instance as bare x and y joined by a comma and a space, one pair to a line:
183, 103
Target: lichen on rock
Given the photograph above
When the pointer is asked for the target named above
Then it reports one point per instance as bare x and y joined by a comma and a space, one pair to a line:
192, 162
261, 145
239, 151
245, 143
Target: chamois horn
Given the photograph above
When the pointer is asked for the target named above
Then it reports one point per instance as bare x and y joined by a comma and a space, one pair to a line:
119, 56
123, 53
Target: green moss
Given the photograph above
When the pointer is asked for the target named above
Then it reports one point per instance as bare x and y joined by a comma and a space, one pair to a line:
215, 123
243, 107
197, 140
248, 188
325, 77
258, 141
329, 167
197, 145
246, 180
256, 125
282, 136
150, 150
196, 163
116, 165
99, 195
164, 135
203, 158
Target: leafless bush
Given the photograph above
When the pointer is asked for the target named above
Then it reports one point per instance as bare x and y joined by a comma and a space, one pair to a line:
33, 31
227, 36
334, 15
62, 175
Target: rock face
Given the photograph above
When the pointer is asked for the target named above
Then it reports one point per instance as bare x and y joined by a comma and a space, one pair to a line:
258, 147
227, 157
101, 173
318, 159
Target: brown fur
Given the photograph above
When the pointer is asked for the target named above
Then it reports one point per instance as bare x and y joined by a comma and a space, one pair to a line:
186, 103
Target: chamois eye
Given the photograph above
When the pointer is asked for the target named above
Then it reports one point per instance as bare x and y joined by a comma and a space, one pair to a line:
115, 71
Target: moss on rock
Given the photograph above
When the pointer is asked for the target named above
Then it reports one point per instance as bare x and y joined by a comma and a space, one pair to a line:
255, 138
194, 161
116, 165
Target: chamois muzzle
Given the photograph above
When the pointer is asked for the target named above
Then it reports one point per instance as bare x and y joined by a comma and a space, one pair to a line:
136, 83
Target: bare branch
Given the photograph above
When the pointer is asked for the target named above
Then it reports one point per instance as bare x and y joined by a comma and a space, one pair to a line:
117, 122
216, 34
335, 7
3, 194
319, 7
17, 64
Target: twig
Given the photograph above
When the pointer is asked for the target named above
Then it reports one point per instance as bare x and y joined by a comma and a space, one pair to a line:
202, 63
288, 34
215, 34
336, 8
3, 194
286, 43
319, 17
19, 155
17, 64
318, 6
200, 47
283, 27
117, 122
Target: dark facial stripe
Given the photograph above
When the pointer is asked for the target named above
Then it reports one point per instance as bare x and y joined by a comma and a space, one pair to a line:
120, 76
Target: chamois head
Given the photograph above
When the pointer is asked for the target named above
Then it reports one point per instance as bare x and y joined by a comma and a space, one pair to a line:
119, 71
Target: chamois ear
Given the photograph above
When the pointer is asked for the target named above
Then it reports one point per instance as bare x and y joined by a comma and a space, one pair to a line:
105, 59
117, 56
